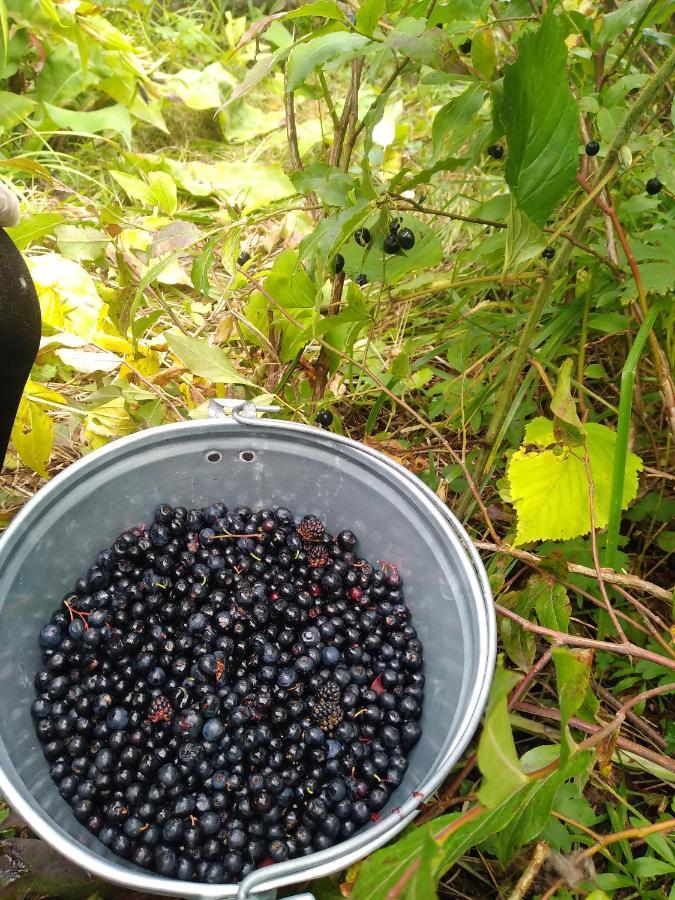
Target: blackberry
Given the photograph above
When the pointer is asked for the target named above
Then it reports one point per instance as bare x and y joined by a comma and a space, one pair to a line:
465, 46
327, 710
160, 710
243, 258
405, 239
311, 529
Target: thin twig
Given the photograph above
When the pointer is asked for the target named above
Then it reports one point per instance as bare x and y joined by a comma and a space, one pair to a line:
639, 832
573, 640
533, 867
640, 723
607, 575
385, 390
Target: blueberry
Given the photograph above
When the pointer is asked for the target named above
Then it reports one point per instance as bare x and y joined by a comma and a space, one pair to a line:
592, 148
50, 636
496, 151
118, 718
213, 729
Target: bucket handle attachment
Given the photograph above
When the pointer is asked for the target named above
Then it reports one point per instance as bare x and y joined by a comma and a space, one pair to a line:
242, 411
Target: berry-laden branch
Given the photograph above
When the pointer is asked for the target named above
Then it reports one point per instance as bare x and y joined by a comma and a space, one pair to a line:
558, 270
666, 386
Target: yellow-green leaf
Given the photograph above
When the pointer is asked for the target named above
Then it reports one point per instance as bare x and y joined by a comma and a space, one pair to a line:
524, 240
164, 192
549, 487
483, 54
204, 359
33, 436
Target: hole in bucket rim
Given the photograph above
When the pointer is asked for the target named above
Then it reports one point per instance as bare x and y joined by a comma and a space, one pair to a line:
247, 456
213, 456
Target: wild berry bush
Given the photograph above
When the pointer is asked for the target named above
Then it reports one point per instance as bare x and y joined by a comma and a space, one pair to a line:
444, 228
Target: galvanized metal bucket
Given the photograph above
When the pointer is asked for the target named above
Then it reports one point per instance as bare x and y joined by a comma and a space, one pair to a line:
244, 460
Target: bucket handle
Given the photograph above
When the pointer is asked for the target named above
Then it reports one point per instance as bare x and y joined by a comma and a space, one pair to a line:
242, 411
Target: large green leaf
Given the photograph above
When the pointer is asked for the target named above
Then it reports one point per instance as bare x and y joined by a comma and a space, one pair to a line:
369, 14
204, 360
429, 46
305, 58
15, 107
539, 114
497, 757
111, 118
330, 184
549, 486
456, 118
573, 673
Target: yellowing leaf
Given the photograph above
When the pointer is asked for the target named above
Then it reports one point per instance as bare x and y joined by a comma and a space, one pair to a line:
33, 436
200, 89
524, 240
549, 487
40, 391
89, 361
107, 421
68, 296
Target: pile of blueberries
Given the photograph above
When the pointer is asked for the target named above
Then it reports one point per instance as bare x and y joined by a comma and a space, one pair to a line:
224, 689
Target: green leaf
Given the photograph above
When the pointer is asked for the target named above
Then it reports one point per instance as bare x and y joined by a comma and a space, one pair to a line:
32, 228
539, 114
497, 757
112, 118
331, 233
368, 15
619, 20
15, 107
323, 9
519, 645
204, 359
81, 242
531, 820
164, 193
457, 118
307, 57
567, 426
646, 867
429, 46
524, 240
573, 673
551, 603
33, 436
254, 76
135, 188
549, 487
330, 184
389, 872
